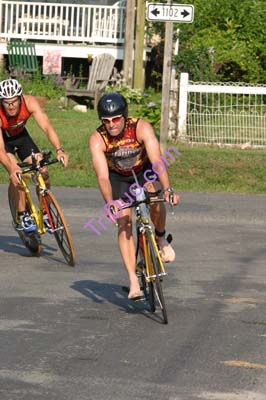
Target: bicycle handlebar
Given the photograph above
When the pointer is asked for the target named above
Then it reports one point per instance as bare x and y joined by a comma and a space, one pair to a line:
148, 200
36, 166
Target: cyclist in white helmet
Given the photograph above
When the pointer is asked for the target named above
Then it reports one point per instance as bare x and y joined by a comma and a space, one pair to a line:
15, 110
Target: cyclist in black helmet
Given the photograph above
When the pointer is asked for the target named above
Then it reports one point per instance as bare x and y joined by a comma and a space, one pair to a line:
15, 110
120, 144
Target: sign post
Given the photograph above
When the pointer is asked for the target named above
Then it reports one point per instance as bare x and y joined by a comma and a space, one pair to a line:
168, 13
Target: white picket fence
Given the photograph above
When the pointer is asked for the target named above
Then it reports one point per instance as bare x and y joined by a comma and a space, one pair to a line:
222, 114
64, 23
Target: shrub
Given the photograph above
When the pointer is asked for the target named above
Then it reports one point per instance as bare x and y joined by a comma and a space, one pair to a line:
51, 86
149, 107
132, 96
151, 112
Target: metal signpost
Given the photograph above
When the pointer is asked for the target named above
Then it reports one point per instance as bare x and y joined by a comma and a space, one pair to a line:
168, 13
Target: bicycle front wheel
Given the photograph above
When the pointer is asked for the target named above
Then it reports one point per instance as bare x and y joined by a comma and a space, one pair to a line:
146, 287
61, 231
156, 283
32, 240
152, 297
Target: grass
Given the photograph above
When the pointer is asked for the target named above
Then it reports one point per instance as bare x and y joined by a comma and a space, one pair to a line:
199, 169
210, 169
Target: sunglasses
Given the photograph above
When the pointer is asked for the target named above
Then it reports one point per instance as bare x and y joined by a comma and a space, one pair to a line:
9, 103
114, 120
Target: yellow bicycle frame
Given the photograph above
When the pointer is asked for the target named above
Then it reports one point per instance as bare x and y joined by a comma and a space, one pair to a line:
150, 273
37, 215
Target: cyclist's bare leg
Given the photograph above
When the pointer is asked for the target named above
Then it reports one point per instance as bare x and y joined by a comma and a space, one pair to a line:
127, 250
158, 217
18, 193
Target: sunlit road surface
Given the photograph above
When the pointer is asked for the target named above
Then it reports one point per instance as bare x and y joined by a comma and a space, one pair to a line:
71, 334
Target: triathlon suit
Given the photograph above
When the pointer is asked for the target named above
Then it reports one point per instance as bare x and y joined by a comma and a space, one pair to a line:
124, 153
15, 135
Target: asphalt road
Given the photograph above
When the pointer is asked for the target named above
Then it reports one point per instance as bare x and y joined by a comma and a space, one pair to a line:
71, 334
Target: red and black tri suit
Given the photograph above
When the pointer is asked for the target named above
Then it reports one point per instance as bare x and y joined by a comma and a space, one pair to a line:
15, 135
123, 154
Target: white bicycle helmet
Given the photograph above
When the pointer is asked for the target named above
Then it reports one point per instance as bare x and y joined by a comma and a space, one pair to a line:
10, 88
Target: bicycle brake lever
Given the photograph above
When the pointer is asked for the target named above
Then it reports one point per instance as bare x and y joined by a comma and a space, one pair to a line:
171, 198
113, 213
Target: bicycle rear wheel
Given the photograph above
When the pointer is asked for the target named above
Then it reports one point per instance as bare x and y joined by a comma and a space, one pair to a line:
61, 232
32, 240
156, 283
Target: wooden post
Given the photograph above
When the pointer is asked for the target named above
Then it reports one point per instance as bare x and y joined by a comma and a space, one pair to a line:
2, 61
168, 45
138, 66
173, 102
129, 42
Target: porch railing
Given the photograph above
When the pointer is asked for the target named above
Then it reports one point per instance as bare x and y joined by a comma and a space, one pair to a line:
62, 22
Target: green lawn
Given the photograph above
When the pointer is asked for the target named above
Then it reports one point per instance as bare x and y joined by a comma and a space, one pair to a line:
205, 169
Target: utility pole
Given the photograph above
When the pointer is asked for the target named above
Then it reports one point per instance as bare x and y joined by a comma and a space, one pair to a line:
129, 42
140, 28
166, 86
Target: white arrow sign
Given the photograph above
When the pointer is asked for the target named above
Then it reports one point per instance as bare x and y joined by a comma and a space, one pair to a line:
169, 12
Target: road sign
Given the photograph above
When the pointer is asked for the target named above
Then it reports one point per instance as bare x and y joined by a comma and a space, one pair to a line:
169, 12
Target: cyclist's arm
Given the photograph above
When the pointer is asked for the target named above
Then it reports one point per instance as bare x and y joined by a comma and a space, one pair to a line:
146, 134
97, 150
44, 123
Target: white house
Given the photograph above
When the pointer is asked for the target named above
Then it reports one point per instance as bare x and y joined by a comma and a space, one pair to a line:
72, 29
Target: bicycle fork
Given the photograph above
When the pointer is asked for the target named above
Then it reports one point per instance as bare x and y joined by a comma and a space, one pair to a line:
151, 274
41, 190
45, 208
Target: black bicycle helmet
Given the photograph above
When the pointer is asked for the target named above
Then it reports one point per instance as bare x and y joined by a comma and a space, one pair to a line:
112, 104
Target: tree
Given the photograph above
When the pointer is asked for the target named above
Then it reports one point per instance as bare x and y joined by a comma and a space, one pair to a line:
229, 37
226, 41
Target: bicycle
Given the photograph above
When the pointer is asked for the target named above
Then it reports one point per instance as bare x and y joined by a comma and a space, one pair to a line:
48, 204
150, 267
